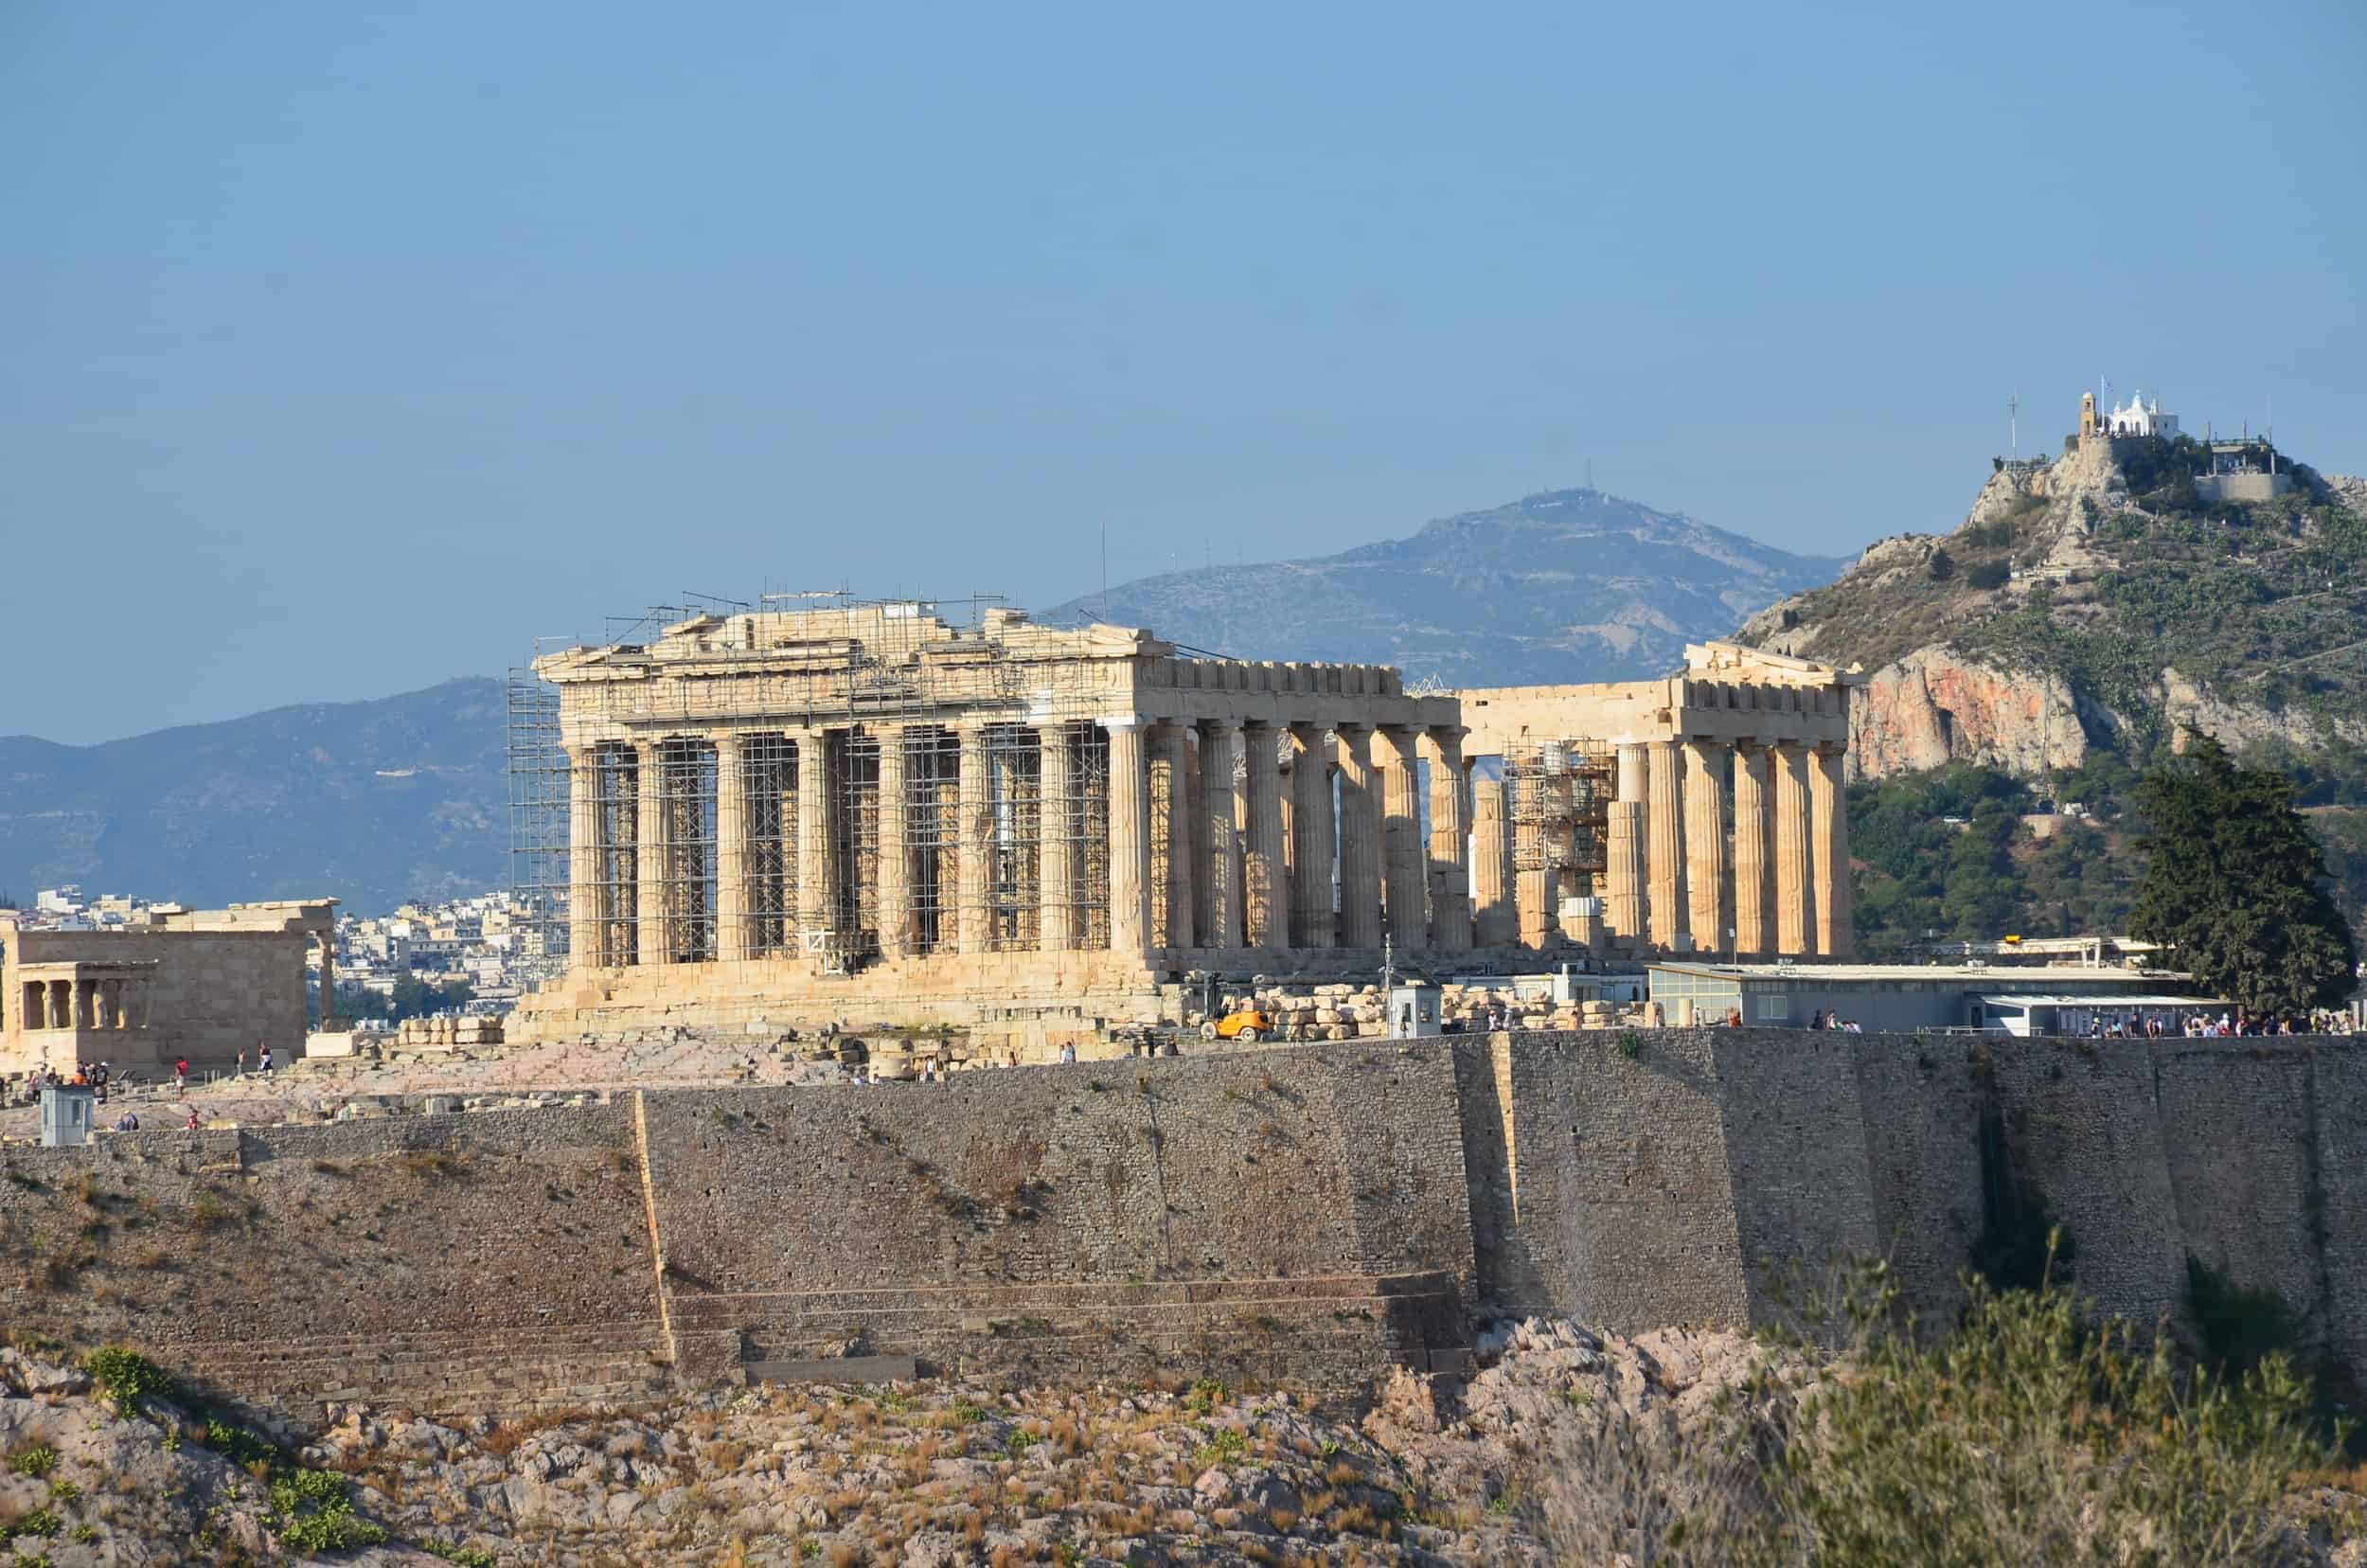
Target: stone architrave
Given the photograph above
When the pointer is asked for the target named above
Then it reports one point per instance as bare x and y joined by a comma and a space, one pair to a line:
1130, 861
1312, 839
1450, 842
1670, 914
1828, 802
1265, 877
1752, 897
1359, 840
1794, 932
1706, 844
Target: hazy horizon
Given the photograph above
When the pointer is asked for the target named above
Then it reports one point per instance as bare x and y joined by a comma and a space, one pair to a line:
358, 350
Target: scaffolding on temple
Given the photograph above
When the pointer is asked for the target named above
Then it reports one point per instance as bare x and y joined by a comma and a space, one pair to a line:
1557, 799
991, 727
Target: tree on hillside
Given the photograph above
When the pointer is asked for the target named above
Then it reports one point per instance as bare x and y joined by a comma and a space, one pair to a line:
2236, 884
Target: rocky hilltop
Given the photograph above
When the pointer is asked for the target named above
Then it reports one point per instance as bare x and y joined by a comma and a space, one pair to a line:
2097, 601
1566, 586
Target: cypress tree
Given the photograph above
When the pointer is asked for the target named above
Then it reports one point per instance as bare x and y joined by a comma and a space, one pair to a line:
2235, 885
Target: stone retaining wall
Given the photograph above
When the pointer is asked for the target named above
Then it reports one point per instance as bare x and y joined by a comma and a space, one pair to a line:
1314, 1212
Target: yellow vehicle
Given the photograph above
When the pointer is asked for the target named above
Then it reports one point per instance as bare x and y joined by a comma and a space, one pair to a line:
1249, 1026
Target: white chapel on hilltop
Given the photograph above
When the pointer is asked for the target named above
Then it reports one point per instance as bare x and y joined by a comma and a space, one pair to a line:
2143, 418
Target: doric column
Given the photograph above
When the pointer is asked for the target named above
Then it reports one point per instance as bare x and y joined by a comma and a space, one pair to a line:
1057, 822
895, 902
653, 943
732, 922
1312, 839
1494, 920
1625, 849
1175, 826
1532, 867
1753, 899
1129, 858
1359, 840
1265, 877
817, 911
1828, 808
1405, 858
1449, 839
583, 860
1220, 759
1705, 842
1665, 846
1795, 935
973, 821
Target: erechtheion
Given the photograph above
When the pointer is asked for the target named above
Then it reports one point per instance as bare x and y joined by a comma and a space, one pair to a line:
201, 984
868, 807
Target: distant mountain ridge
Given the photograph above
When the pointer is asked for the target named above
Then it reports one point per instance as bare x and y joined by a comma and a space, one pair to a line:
372, 802
405, 797
1561, 586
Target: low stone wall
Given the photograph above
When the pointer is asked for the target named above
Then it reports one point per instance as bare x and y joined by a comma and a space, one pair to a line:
1314, 1212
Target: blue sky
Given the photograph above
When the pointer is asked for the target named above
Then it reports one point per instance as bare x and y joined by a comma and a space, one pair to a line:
351, 348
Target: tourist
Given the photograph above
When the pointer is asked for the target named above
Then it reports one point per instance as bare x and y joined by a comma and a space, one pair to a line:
262, 1059
181, 1078
192, 1118
1816, 1019
929, 1071
241, 1069
127, 1123
99, 1081
1010, 1059
1068, 1053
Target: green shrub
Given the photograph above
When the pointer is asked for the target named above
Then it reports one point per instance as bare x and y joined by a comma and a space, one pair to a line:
36, 1460
127, 1377
1988, 573
41, 1522
2035, 1434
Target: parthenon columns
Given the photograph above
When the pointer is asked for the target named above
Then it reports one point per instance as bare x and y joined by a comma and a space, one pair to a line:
1450, 829
1494, 920
583, 859
816, 910
895, 859
1056, 858
1753, 900
1705, 842
1836, 936
732, 923
1668, 911
1359, 840
1793, 913
1312, 839
1130, 891
1220, 764
1404, 865
1265, 880
1625, 847
1532, 878
1175, 770
974, 824
650, 911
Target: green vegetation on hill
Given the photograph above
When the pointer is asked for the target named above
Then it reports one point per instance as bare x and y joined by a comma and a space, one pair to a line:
2234, 883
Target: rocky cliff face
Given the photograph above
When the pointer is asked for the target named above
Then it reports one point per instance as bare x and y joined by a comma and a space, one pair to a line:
2094, 601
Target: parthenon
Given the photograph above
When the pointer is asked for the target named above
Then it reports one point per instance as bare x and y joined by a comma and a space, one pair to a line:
870, 803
